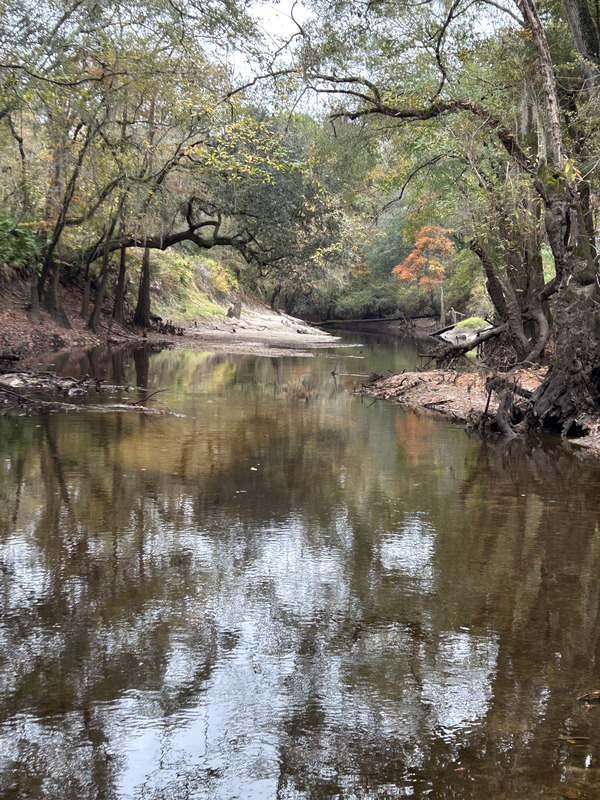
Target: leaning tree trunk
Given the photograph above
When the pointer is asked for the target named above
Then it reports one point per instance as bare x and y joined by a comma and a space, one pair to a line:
142, 311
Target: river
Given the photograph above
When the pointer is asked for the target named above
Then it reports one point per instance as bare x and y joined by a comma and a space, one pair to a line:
291, 592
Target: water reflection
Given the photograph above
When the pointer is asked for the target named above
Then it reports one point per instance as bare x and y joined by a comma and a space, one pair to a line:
291, 594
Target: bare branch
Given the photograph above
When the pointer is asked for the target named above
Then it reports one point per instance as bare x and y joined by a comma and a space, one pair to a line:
58, 82
415, 171
438, 108
517, 19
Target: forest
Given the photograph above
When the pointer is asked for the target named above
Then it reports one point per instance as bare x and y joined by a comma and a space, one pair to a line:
338, 159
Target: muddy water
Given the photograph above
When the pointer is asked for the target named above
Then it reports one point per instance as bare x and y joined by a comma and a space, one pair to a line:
291, 593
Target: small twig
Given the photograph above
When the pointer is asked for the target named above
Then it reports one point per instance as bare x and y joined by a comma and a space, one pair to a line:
135, 402
16, 394
487, 405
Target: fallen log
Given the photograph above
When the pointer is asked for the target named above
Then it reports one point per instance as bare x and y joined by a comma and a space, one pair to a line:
445, 355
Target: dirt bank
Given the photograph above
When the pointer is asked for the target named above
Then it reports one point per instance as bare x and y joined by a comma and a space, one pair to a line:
463, 396
259, 331
455, 395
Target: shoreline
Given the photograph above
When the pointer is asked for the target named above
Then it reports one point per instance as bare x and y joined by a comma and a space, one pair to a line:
259, 331
462, 397
455, 396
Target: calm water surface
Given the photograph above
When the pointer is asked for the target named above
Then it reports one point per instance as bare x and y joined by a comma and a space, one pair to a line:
292, 593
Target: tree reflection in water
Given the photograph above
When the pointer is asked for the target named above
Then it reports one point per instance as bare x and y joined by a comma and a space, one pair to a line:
347, 619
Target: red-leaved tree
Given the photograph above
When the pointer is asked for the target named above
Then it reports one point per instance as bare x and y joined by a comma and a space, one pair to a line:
429, 260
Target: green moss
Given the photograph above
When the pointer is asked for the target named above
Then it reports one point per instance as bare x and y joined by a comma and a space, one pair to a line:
473, 322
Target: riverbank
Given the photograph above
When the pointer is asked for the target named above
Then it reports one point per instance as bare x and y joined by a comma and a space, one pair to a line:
258, 331
463, 397
454, 395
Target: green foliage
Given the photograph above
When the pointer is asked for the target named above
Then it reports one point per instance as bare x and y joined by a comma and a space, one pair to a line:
186, 287
19, 248
144, 123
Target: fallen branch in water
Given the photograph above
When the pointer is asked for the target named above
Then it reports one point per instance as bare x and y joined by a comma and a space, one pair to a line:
33, 383
149, 397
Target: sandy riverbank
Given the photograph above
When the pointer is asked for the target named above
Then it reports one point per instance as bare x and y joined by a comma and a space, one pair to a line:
259, 331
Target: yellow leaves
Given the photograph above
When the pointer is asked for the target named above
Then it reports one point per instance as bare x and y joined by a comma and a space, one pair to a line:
42, 223
571, 172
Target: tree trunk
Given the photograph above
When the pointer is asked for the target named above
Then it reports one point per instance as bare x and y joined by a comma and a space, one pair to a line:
85, 302
585, 36
50, 295
515, 320
142, 310
493, 285
119, 309
94, 319
52, 300
572, 387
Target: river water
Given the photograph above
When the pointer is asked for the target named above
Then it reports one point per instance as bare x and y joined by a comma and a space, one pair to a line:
291, 592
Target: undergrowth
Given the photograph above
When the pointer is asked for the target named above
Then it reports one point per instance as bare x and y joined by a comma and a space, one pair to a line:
184, 288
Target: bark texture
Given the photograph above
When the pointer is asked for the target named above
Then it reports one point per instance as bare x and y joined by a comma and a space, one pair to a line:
142, 311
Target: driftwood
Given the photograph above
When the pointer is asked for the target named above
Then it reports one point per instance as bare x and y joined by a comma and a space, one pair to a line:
22, 389
442, 330
445, 354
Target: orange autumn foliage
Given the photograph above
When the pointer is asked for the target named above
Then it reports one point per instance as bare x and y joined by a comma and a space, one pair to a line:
428, 261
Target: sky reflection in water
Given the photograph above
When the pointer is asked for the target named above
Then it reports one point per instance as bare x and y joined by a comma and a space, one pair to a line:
291, 593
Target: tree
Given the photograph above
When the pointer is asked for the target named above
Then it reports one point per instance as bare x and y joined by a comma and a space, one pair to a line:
76, 101
429, 262
427, 68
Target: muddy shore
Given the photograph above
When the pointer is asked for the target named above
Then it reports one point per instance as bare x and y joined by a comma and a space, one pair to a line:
453, 395
258, 331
